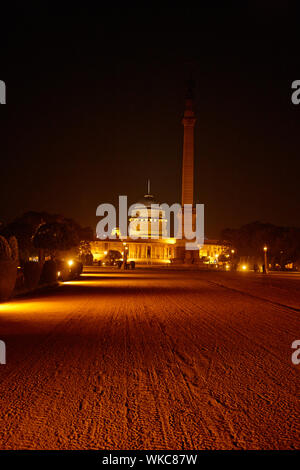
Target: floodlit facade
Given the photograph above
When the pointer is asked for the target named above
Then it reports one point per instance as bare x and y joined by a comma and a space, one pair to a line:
140, 251
154, 252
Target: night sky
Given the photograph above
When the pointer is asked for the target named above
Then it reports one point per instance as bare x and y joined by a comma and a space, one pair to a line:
95, 101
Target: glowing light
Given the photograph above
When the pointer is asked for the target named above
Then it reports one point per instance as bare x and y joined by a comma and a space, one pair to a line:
232, 251
58, 273
227, 266
105, 252
23, 308
244, 267
70, 262
265, 248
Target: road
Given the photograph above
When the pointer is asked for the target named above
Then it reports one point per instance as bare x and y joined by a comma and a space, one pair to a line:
152, 359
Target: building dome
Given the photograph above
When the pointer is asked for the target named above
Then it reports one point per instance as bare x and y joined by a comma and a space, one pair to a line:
147, 200
146, 220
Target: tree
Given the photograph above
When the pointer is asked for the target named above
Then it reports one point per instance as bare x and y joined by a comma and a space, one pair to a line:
56, 236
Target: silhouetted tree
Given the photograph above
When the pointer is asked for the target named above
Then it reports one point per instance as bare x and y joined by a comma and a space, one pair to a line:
26, 227
283, 242
56, 236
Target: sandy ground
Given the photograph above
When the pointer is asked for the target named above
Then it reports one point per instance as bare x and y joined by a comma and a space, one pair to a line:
152, 359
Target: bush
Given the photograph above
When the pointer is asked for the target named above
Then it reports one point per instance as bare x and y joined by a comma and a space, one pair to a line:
5, 250
76, 269
67, 273
14, 248
32, 273
49, 272
64, 270
8, 275
8, 268
19, 286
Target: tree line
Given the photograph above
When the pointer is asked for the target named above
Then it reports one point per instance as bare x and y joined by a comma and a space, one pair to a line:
44, 234
283, 243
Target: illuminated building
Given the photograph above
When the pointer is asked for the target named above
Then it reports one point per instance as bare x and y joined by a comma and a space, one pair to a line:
148, 250
148, 221
144, 250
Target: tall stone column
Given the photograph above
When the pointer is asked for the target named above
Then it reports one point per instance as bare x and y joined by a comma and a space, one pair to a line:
188, 121
187, 192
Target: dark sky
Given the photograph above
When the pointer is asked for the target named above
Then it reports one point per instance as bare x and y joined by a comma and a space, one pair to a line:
95, 101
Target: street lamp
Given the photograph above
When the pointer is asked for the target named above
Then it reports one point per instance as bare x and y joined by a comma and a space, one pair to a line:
266, 259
